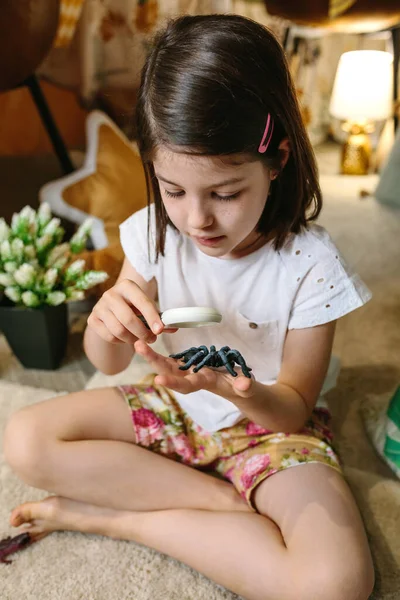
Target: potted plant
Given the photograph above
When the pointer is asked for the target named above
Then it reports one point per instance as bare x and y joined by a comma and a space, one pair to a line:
38, 277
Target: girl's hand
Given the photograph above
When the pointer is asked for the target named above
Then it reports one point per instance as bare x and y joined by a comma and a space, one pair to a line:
214, 380
115, 316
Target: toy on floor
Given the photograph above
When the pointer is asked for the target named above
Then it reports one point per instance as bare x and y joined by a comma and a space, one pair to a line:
9, 545
202, 357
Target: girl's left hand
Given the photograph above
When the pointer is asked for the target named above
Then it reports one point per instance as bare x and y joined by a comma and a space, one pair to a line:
215, 381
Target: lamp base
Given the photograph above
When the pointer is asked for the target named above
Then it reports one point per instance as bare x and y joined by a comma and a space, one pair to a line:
356, 152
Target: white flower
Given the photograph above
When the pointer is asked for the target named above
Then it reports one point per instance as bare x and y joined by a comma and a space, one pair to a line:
6, 279
25, 276
90, 279
60, 262
55, 298
57, 252
52, 226
30, 252
33, 228
75, 294
17, 248
78, 240
44, 214
28, 213
15, 221
13, 293
85, 227
50, 277
4, 230
75, 269
10, 266
5, 251
30, 299
43, 241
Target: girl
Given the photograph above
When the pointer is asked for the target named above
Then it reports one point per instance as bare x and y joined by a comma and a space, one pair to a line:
234, 187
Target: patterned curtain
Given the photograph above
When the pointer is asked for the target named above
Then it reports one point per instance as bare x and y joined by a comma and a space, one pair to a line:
110, 38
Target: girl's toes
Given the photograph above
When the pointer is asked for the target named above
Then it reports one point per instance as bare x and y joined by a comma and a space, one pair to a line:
27, 512
20, 515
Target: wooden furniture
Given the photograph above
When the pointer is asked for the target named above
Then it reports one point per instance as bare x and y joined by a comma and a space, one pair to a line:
27, 31
364, 16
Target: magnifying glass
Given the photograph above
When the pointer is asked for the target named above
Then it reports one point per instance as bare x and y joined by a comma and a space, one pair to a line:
188, 316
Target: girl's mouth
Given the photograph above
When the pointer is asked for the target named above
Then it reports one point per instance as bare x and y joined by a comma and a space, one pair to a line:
210, 241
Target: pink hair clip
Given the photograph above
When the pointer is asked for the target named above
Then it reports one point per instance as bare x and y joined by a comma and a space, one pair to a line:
268, 131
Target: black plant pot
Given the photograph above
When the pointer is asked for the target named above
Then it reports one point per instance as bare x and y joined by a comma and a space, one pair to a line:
37, 336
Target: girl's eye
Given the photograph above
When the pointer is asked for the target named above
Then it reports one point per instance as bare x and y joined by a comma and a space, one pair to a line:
227, 198
217, 196
173, 194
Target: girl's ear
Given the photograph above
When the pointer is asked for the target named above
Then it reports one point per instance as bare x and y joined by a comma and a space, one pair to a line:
284, 153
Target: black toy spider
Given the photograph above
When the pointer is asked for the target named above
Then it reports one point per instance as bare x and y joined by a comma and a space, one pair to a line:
202, 357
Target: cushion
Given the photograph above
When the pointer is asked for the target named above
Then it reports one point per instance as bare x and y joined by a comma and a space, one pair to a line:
109, 187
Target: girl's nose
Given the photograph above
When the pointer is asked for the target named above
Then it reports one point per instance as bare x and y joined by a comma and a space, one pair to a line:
199, 216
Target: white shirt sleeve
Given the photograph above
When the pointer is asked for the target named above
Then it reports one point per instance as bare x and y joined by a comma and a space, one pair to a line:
134, 242
327, 287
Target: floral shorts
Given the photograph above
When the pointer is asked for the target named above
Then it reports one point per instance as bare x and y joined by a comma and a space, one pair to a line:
244, 454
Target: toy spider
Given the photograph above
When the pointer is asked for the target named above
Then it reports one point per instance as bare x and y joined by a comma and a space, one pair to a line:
10, 545
202, 357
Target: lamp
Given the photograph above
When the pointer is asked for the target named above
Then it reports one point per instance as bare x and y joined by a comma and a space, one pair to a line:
362, 93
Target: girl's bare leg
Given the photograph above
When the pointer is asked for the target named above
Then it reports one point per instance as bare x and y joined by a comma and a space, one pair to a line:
310, 543
82, 446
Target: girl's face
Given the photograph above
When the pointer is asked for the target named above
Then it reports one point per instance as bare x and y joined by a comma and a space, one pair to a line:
216, 203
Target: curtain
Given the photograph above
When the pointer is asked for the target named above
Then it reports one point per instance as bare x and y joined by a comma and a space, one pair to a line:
111, 38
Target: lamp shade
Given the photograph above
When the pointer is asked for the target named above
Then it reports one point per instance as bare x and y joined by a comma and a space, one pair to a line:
363, 86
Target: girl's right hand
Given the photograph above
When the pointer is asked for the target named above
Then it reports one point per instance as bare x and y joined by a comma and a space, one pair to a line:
115, 316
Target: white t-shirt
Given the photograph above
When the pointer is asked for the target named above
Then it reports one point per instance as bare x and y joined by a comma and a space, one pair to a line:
260, 297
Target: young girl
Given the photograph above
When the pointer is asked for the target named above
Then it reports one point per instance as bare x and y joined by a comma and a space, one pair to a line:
234, 187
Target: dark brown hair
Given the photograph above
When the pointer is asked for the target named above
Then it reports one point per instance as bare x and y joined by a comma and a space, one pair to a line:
208, 85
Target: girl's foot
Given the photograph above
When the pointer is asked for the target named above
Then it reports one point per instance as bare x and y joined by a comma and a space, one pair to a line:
62, 514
